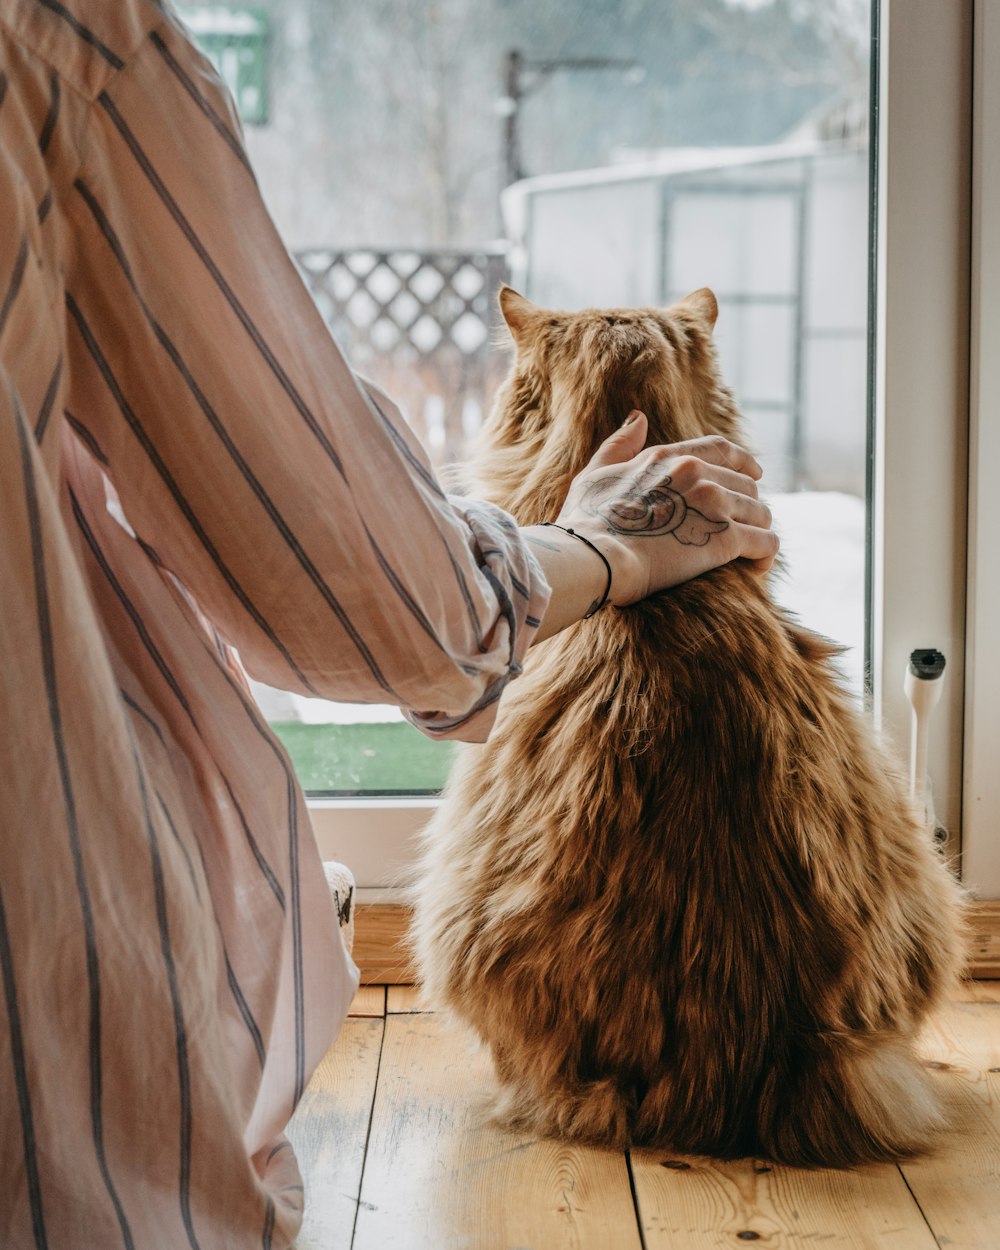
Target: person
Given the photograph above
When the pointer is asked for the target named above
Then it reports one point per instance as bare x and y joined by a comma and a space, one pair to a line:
188, 465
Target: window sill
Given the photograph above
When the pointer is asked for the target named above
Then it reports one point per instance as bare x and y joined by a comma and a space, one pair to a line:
376, 838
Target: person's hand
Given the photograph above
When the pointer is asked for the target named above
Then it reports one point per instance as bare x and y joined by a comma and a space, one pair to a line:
666, 514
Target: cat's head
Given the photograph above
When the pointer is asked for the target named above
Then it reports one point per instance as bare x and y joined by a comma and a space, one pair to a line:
576, 377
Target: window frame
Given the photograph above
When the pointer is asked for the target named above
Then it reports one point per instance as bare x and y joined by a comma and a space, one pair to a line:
921, 339
375, 837
981, 803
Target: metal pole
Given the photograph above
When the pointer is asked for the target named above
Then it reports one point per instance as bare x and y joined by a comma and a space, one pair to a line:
511, 144
541, 69
797, 432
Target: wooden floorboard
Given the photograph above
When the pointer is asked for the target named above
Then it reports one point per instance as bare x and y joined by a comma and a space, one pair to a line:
404, 999
438, 1178
702, 1205
329, 1131
407, 1086
369, 1001
984, 959
380, 949
958, 1188
979, 992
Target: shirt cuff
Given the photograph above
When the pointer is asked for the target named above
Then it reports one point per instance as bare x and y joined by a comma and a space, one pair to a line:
522, 596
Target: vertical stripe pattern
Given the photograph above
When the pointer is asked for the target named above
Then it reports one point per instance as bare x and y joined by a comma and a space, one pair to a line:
204, 484
180, 1031
46, 640
48, 401
172, 681
185, 507
17, 1055
49, 125
14, 285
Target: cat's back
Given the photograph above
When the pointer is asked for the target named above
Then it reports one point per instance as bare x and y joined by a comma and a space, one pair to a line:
689, 747
683, 721
713, 663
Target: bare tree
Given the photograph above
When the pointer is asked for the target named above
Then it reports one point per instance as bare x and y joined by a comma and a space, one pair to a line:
384, 127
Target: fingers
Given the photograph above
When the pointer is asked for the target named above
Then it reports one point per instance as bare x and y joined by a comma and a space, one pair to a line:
727, 479
624, 444
714, 449
748, 521
717, 501
690, 474
757, 546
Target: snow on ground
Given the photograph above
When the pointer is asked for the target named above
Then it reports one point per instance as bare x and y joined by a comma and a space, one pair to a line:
823, 582
823, 549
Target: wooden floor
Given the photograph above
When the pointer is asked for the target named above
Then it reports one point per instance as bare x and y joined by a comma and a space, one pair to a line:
395, 1156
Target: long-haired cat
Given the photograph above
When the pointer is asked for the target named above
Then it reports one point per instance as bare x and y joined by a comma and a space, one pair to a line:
681, 892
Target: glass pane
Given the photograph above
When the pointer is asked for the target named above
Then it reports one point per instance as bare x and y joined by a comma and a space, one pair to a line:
621, 226
416, 156
732, 237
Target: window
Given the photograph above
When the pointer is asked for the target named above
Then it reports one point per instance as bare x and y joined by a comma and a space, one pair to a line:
415, 157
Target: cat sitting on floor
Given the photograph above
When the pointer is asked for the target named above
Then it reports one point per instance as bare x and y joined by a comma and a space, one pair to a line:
681, 893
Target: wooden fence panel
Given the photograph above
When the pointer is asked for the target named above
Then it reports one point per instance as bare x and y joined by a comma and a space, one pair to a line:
423, 325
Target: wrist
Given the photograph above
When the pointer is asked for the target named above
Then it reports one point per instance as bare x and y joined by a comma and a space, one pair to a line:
574, 533
625, 585
576, 576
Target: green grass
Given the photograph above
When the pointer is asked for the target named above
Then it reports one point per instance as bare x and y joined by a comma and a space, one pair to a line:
392, 756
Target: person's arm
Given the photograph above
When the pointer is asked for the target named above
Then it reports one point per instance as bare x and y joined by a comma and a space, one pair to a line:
291, 501
658, 516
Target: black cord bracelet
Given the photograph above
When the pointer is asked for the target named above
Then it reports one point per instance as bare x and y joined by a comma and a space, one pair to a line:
598, 603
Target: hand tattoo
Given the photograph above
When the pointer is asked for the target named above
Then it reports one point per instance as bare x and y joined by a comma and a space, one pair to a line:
647, 504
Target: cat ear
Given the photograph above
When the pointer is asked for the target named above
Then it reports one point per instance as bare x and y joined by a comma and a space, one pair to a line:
703, 304
518, 311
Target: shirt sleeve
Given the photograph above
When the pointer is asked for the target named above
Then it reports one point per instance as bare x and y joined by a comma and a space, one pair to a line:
289, 498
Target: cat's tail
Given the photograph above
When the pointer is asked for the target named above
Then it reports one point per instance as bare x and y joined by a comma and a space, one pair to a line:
849, 1098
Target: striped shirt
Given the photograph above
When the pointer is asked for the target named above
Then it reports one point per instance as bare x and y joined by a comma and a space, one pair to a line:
187, 466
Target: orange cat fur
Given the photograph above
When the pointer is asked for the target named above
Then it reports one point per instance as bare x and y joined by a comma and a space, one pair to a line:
681, 893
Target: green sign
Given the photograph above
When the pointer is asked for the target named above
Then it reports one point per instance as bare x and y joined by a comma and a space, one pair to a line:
235, 41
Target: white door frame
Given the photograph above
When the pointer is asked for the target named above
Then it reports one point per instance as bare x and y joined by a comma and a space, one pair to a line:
981, 807
921, 375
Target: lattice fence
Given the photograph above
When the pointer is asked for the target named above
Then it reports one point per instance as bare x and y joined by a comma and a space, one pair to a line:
421, 325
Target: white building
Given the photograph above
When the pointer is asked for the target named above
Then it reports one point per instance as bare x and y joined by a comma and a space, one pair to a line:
780, 233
